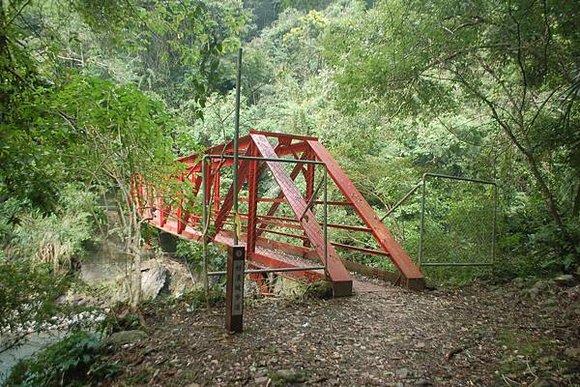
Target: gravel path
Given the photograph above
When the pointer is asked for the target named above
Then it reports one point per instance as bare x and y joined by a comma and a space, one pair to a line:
382, 336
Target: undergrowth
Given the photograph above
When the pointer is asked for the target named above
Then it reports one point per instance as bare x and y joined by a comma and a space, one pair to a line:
74, 361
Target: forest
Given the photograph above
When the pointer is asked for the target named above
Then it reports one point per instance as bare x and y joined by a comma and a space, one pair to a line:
94, 93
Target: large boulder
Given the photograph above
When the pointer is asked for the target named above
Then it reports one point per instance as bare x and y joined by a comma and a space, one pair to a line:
154, 277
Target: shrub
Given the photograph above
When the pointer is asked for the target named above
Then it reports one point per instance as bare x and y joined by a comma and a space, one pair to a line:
54, 238
75, 360
27, 296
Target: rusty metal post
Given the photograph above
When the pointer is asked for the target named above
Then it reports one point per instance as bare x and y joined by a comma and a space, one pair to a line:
325, 219
180, 213
204, 229
162, 217
422, 221
216, 190
309, 177
236, 145
235, 289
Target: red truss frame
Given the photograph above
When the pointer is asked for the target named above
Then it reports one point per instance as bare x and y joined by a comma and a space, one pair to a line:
261, 251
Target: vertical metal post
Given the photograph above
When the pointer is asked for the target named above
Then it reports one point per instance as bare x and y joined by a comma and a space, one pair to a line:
309, 176
494, 229
204, 225
236, 257
161, 206
216, 190
180, 214
236, 139
422, 227
325, 219
235, 289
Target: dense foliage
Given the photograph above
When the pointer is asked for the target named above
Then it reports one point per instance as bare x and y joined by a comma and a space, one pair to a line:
95, 93
73, 361
483, 89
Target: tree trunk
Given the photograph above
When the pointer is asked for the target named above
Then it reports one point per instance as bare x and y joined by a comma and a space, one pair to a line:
531, 160
135, 248
136, 297
4, 59
576, 208
544, 189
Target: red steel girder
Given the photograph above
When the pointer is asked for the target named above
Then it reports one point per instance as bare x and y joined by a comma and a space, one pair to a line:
169, 214
275, 204
265, 261
339, 276
227, 148
229, 200
281, 136
253, 174
399, 257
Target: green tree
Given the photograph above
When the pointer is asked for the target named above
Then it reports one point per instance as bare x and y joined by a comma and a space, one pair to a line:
67, 116
515, 61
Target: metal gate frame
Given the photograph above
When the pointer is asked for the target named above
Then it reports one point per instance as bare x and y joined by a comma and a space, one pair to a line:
423, 185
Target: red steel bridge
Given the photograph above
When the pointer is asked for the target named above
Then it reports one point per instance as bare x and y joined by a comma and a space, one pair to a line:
279, 181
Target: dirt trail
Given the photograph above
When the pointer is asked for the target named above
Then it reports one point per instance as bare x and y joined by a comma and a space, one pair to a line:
383, 336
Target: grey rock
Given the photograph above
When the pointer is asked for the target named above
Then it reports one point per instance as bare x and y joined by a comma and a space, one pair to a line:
153, 279
538, 288
284, 376
262, 371
402, 373
565, 280
572, 352
544, 383
118, 339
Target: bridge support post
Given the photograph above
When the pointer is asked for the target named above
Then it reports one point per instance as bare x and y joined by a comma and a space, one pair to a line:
235, 288
167, 242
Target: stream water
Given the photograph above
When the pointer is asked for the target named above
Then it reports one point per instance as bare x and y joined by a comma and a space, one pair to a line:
98, 268
32, 344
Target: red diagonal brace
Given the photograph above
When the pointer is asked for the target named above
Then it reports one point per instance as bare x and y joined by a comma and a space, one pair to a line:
229, 199
274, 207
253, 174
339, 276
412, 274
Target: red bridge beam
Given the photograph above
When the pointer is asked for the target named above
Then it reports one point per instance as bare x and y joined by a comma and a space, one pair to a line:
339, 276
411, 273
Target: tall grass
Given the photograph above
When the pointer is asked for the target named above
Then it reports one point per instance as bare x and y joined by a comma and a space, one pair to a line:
56, 238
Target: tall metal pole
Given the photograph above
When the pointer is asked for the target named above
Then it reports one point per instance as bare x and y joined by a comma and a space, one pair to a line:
325, 220
234, 321
422, 225
236, 138
204, 222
